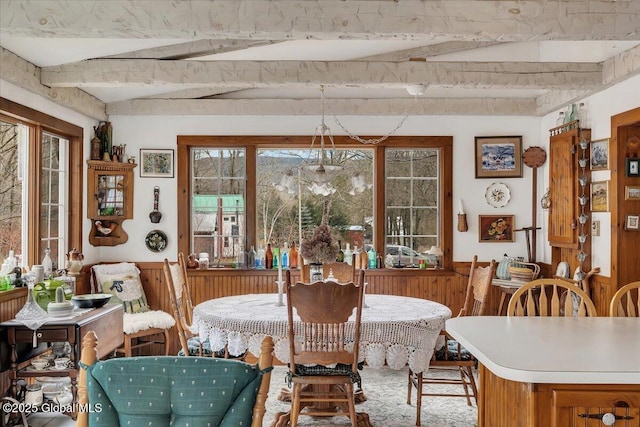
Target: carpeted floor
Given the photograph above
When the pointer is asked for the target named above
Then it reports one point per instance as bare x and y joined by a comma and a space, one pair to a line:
386, 392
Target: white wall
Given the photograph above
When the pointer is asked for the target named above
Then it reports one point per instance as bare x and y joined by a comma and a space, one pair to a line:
161, 132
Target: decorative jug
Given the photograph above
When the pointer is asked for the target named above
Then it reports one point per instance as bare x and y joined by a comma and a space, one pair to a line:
74, 261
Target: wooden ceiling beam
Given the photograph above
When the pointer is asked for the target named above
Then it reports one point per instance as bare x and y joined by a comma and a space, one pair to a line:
25, 75
310, 107
251, 74
188, 50
445, 20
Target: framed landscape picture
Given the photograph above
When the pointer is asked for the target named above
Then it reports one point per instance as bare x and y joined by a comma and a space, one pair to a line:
600, 154
496, 228
600, 196
498, 156
156, 163
632, 192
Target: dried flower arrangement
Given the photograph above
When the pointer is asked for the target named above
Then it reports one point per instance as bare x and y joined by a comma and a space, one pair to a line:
319, 248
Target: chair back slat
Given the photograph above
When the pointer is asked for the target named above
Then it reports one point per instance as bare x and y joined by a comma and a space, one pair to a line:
175, 276
565, 299
478, 288
626, 301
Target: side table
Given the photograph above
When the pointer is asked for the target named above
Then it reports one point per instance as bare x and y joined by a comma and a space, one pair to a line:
507, 288
105, 321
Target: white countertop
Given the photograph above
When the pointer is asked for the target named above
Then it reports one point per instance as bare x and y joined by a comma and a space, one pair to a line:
586, 350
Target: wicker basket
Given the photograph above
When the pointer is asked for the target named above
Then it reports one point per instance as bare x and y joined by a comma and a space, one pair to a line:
524, 271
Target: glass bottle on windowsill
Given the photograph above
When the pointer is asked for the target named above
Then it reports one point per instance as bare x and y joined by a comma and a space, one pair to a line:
560, 119
47, 263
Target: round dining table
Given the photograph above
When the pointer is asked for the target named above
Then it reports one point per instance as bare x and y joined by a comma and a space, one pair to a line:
395, 330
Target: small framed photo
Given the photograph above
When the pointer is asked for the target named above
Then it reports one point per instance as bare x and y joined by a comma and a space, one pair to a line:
498, 156
156, 163
632, 166
632, 192
600, 196
600, 154
632, 222
496, 228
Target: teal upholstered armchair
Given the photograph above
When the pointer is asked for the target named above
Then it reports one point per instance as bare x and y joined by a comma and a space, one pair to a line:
172, 390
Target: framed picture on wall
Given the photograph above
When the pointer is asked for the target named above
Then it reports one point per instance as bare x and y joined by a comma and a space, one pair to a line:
600, 196
498, 156
632, 222
632, 166
496, 228
632, 192
156, 163
600, 154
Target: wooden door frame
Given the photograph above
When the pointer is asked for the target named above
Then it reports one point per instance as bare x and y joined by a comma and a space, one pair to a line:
616, 190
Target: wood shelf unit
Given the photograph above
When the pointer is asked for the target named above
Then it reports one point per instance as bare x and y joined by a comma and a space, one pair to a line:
564, 190
109, 200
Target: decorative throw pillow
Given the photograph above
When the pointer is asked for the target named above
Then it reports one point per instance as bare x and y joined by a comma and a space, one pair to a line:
126, 288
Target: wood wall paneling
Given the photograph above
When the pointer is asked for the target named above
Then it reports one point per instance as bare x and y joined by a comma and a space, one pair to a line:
624, 142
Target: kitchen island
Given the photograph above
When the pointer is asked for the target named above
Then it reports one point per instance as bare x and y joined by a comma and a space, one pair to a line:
553, 371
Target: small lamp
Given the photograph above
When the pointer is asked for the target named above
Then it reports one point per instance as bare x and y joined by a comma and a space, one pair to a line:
437, 253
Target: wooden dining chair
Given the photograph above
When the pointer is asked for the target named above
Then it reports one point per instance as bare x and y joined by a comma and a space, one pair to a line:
143, 326
323, 338
551, 297
175, 275
626, 301
452, 354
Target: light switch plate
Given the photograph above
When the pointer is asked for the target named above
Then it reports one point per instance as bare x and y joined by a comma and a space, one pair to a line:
595, 228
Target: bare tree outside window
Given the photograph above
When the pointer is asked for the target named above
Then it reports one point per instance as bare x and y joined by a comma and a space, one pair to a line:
10, 190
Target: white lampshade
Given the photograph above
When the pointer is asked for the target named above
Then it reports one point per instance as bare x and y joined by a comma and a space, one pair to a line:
435, 250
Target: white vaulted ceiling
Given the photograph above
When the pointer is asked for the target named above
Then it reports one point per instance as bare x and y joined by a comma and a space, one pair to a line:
271, 57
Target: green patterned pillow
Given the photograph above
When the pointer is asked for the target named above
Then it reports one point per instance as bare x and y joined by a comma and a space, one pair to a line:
126, 289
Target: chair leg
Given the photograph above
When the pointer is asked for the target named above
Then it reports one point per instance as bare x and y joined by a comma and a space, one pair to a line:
419, 399
295, 404
472, 384
352, 405
167, 342
409, 387
465, 384
127, 345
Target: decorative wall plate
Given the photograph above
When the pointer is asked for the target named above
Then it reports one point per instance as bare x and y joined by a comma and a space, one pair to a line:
497, 195
156, 241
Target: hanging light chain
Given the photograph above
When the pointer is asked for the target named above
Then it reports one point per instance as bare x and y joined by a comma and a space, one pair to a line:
370, 141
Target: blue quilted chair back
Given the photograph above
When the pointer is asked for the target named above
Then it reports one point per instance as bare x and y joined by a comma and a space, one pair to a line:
172, 391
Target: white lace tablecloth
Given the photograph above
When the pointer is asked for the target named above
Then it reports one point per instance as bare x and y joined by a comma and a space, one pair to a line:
395, 329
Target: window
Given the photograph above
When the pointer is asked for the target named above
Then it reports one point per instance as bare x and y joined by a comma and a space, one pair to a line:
406, 196
218, 193
42, 171
412, 199
287, 213
53, 197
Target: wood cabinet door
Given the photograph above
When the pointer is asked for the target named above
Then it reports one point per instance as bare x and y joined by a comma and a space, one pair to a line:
586, 408
563, 190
